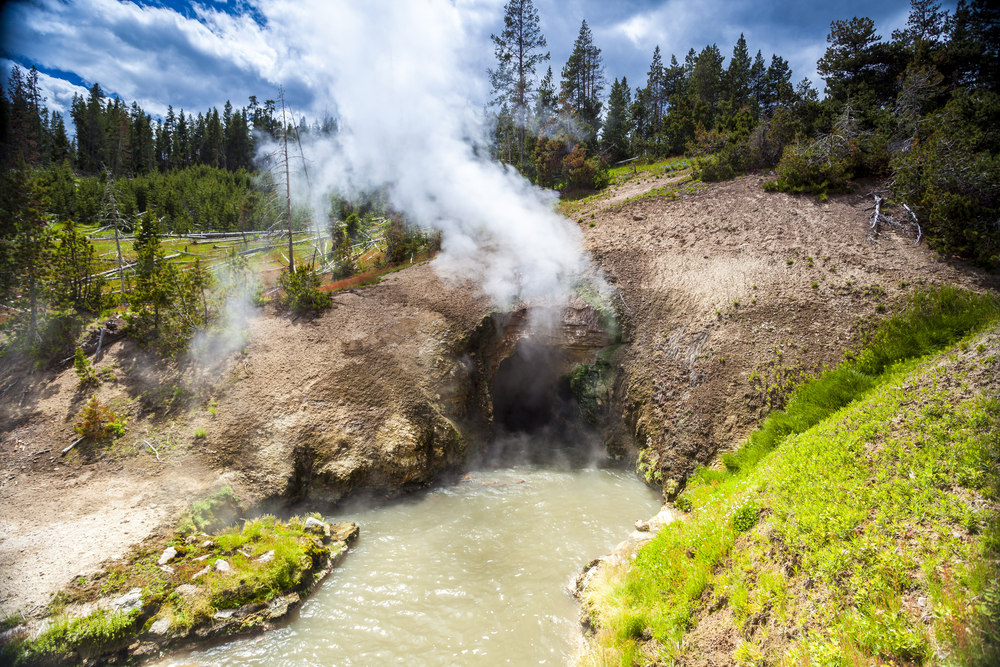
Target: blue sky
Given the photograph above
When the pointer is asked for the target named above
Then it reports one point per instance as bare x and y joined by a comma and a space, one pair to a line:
198, 55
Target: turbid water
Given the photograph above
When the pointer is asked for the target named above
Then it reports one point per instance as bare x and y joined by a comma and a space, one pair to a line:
471, 573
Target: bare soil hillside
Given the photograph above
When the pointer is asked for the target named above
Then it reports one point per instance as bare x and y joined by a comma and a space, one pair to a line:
731, 291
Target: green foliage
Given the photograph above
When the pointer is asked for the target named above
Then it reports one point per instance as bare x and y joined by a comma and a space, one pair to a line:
213, 513
745, 516
951, 177
300, 291
98, 421
84, 369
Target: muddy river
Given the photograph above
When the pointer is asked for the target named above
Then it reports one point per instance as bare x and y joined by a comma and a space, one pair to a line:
472, 573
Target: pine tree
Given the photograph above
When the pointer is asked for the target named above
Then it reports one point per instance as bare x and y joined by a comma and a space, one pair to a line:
778, 85
656, 84
705, 85
857, 63
617, 128
758, 84
545, 103
61, 147
518, 53
583, 84
738, 75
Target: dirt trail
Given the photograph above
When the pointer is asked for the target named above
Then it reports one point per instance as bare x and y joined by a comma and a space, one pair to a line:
374, 391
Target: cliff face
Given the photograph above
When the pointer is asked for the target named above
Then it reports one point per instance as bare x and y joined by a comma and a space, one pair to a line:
388, 391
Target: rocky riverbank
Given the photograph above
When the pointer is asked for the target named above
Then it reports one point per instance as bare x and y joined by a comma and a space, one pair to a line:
192, 587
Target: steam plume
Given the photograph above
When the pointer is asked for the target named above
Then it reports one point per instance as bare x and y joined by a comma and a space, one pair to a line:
400, 76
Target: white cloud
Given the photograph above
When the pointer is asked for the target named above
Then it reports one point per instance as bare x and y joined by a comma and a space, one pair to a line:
57, 93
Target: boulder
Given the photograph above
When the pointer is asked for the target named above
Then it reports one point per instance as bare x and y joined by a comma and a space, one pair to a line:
160, 626
168, 555
316, 526
223, 566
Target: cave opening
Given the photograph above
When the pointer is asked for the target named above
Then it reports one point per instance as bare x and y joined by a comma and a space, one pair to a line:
536, 418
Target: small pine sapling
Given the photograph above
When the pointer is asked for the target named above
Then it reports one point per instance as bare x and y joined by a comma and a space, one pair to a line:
84, 369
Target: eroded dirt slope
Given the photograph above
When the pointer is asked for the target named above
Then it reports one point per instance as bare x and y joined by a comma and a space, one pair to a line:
369, 393
730, 291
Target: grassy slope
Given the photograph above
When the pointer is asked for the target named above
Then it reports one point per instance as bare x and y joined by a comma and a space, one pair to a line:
870, 537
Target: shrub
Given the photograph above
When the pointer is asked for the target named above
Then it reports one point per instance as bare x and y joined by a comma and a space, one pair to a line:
84, 369
300, 290
97, 421
581, 172
745, 517
829, 162
950, 176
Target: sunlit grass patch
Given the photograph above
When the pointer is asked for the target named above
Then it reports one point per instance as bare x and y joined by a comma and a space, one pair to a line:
859, 526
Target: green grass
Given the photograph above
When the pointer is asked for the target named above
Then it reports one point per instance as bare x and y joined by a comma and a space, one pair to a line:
837, 516
291, 557
934, 318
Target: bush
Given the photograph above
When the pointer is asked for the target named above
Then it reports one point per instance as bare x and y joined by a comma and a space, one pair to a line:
581, 172
97, 421
300, 290
740, 151
84, 369
950, 176
829, 162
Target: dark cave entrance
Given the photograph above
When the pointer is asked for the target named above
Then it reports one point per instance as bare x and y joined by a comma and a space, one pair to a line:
536, 418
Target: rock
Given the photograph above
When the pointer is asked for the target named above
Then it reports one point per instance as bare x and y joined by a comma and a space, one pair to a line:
190, 539
201, 558
267, 557
223, 614
207, 544
922, 602
642, 526
280, 606
168, 555
167, 569
637, 217
344, 531
186, 589
223, 566
129, 602
201, 573
316, 526
160, 626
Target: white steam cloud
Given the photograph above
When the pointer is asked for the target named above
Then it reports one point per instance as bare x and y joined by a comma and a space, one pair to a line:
400, 77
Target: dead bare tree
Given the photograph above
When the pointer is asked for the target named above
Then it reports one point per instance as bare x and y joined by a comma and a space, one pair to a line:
905, 225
